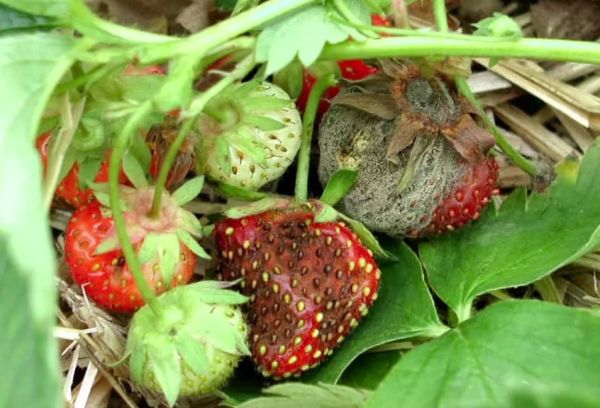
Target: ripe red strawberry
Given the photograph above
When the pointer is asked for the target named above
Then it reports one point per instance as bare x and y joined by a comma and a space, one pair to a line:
106, 278
309, 284
69, 189
165, 246
467, 199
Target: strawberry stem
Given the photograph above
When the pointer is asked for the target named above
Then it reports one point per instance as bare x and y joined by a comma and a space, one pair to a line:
439, 11
512, 153
198, 105
308, 121
116, 158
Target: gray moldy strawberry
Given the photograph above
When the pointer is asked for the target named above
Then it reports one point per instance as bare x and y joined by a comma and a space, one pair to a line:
415, 144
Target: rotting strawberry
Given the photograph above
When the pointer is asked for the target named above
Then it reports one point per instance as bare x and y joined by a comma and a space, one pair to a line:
69, 188
189, 342
248, 135
415, 144
470, 195
165, 246
309, 283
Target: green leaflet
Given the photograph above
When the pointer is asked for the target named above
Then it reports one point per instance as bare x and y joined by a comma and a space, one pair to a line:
165, 248
12, 20
525, 240
223, 154
263, 123
192, 244
188, 191
27, 255
487, 359
338, 186
192, 353
164, 360
290, 79
50, 8
243, 140
298, 395
302, 34
134, 171
403, 310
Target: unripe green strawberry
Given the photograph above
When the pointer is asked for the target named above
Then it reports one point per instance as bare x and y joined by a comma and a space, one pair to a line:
189, 342
249, 135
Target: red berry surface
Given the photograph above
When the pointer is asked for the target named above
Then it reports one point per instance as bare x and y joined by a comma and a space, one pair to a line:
309, 284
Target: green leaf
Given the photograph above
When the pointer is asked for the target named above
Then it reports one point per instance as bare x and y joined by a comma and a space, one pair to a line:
243, 140
164, 362
134, 171
404, 309
192, 244
12, 20
192, 353
149, 248
377, 364
499, 25
239, 193
266, 103
302, 34
50, 8
338, 186
168, 257
511, 344
188, 191
30, 66
298, 395
365, 236
524, 241
137, 361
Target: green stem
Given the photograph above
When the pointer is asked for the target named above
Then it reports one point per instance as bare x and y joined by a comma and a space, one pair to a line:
507, 148
308, 122
163, 174
221, 32
460, 45
197, 105
439, 11
131, 127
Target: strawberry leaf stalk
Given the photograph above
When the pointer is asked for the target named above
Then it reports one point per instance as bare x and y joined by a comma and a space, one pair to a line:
165, 245
249, 135
193, 345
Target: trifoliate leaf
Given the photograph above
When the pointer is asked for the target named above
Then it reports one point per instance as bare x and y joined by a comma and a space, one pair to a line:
192, 244
525, 240
298, 395
192, 353
499, 25
263, 123
134, 171
301, 34
188, 191
338, 186
164, 362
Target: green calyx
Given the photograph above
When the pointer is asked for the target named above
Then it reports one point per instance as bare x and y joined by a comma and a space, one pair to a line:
162, 236
250, 133
192, 345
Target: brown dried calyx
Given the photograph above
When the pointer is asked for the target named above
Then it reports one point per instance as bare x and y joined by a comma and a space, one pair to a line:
420, 103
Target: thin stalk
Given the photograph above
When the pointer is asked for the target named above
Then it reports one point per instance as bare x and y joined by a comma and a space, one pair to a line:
116, 157
198, 104
308, 122
439, 11
460, 45
501, 141
223, 31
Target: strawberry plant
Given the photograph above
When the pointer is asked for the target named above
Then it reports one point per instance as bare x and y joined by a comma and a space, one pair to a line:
398, 269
